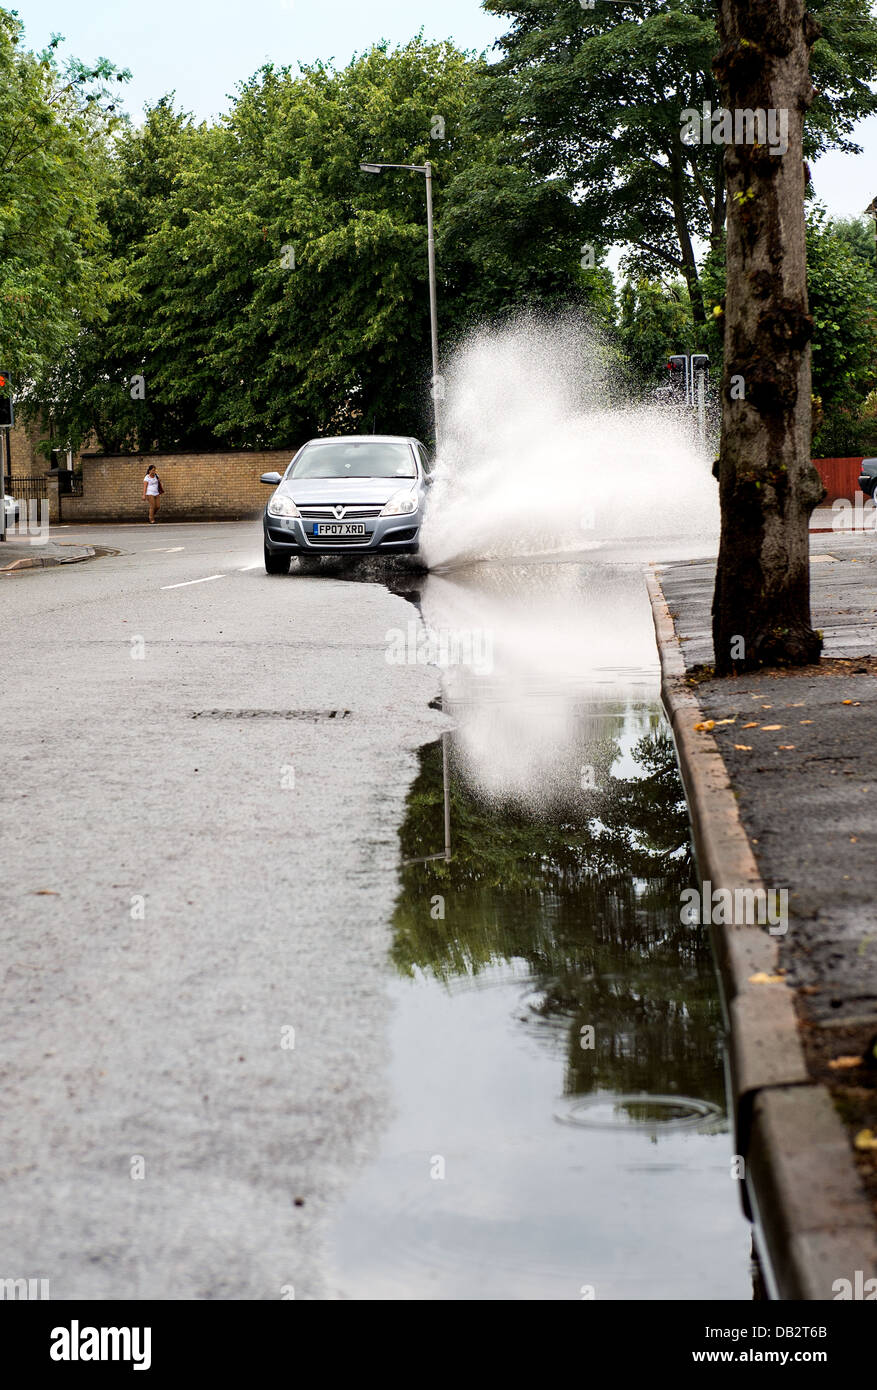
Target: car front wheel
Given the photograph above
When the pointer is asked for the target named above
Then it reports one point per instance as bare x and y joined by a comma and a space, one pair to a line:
276, 563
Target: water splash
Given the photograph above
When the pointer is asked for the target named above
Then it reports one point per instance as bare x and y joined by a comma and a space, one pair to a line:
543, 453
573, 658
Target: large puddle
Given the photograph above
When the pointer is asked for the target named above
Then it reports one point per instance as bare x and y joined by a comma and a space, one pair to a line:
559, 1127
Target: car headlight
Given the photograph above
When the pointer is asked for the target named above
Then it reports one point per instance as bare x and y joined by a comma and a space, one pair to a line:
280, 505
400, 504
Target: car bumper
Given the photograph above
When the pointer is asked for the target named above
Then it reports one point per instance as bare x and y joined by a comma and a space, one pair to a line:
398, 535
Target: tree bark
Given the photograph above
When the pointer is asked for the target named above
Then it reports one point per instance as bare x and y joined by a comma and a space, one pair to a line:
767, 484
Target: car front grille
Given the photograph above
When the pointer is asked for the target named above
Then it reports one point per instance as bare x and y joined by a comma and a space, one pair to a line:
354, 512
340, 540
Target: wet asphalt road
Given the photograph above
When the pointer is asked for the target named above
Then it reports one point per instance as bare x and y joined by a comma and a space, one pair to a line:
178, 896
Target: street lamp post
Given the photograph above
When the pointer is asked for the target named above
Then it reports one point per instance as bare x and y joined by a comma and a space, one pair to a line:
426, 169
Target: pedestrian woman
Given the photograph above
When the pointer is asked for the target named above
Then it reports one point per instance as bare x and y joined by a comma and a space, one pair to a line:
152, 491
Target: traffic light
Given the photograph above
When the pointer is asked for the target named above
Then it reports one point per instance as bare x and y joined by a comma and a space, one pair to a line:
7, 414
678, 369
699, 363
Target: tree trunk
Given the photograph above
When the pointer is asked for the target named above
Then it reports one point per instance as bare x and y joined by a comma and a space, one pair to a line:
689, 260
767, 484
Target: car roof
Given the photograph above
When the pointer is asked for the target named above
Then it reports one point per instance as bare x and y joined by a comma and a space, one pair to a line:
363, 438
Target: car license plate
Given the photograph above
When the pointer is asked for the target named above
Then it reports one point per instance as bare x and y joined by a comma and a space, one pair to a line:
339, 528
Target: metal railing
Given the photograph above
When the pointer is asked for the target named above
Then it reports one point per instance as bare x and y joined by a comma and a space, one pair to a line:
28, 487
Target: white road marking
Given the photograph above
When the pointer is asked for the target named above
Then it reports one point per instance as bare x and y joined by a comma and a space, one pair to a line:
243, 569
186, 582
168, 549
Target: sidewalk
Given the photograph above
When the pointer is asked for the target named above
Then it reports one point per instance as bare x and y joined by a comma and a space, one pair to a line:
791, 801
17, 553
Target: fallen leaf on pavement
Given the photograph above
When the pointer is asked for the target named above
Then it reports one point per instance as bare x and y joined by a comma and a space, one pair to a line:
753, 725
762, 979
866, 1139
744, 747
704, 724
786, 747
841, 1063
46, 893
769, 728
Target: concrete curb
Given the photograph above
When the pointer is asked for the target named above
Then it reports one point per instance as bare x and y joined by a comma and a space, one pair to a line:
811, 1212
33, 562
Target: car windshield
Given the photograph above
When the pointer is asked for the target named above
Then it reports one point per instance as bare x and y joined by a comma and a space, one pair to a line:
350, 458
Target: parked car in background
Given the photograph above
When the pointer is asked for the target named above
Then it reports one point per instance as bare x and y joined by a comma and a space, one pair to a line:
360, 494
868, 477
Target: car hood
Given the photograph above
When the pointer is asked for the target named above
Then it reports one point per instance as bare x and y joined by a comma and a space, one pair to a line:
313, 491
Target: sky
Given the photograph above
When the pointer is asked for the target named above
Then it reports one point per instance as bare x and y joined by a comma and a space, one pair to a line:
201, 50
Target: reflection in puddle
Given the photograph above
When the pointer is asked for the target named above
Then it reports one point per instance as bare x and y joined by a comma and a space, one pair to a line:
645, 1111
542, 974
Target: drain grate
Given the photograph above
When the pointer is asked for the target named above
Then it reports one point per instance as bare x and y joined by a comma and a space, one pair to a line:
314, 715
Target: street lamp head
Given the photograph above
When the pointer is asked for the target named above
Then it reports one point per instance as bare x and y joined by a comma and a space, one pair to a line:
370, 168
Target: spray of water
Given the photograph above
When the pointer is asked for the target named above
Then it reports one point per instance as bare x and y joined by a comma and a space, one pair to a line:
544, 454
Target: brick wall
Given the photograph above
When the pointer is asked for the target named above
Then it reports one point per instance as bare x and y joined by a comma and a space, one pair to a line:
197, 487
26, 460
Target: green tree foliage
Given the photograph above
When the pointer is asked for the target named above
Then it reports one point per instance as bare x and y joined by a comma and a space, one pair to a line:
88, 387
600, 92
842, 294
272, 290
842, 291
655, 322
858, 234
54, 128
510, 243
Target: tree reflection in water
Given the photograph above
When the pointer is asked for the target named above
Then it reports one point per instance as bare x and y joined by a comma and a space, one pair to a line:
587, 896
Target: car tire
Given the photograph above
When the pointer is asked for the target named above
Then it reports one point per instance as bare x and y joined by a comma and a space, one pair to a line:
276, 562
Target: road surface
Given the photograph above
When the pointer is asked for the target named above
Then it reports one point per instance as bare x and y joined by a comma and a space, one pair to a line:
197, 860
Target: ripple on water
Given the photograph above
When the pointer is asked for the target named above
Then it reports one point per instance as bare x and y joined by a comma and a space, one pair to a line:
639, 1112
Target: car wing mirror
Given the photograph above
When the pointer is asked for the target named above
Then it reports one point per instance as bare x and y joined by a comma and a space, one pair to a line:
271, 478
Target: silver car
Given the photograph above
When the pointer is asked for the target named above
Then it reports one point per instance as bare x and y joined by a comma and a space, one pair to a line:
360, 494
